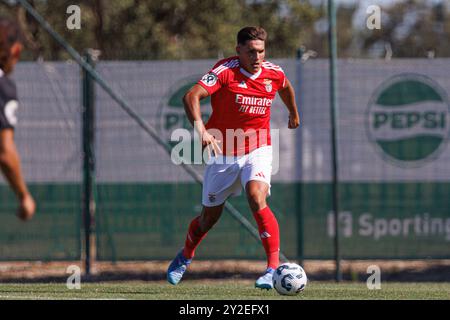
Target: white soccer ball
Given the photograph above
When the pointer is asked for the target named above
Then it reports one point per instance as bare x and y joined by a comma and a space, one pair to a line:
289, 279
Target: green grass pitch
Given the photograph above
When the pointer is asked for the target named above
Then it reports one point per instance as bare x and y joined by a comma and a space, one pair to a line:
221, 290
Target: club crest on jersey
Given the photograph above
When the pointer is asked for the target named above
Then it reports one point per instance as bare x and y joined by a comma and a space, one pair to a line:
268, 84
209, 79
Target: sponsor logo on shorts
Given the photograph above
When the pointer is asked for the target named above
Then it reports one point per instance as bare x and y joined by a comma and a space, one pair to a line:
212, 197
260, 174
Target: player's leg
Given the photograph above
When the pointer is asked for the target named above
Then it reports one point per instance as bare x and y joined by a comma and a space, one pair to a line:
220, 181
268, 228
255, 177
257, 192
198, 228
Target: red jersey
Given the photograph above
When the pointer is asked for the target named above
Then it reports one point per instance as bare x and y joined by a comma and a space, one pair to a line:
241, 103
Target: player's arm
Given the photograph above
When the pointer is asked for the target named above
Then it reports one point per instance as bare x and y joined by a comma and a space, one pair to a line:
287, 94
10, 166
191, 101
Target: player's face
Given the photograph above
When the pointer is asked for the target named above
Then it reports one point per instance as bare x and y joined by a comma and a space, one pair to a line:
251, 55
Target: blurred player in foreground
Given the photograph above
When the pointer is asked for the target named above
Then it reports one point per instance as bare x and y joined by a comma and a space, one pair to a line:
10, 49
237, 135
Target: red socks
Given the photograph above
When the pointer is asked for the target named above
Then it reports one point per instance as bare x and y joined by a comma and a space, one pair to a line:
268, 232
270, 235
193, 238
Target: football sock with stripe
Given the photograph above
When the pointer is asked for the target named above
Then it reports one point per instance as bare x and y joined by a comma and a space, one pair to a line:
193, 238
270, 235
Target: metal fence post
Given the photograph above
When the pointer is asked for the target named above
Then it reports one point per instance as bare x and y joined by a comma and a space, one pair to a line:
88, 119
334, 111
299, 160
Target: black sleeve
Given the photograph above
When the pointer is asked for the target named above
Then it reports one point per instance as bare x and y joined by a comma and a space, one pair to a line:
8, 103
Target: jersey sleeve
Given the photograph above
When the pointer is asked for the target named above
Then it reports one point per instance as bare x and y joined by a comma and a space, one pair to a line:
282, 79
8, 105
215, 79
8, 117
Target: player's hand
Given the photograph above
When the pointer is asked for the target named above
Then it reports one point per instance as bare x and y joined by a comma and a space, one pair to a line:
211, 144
294, 120
27, 207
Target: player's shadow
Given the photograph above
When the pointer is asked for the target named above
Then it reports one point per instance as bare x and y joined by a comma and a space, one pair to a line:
110, 276
440, 273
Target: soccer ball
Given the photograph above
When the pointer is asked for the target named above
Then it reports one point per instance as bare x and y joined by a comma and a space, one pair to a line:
289, 279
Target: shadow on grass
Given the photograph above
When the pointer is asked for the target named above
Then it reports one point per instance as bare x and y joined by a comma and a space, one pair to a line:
431, 274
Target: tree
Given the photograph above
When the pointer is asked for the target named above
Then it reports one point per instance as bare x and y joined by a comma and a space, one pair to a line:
167, 29
410, 29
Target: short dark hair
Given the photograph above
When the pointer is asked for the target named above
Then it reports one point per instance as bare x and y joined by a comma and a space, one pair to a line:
251, 33
9, 34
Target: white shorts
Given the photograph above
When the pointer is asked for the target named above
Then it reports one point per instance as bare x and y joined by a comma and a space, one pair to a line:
226, 175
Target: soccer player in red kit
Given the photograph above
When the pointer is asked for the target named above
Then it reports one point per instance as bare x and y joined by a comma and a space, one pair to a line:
237, 135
